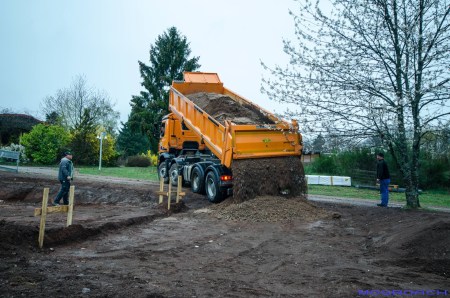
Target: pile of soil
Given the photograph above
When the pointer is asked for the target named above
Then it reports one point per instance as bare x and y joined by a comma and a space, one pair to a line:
278, 176
271, 209
16, 235
428, 248
222, 107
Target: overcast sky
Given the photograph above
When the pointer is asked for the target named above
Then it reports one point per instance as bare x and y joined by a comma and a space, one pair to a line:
46, 44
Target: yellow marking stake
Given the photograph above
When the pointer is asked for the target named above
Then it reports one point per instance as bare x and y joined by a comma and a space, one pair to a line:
43, 217
42, 212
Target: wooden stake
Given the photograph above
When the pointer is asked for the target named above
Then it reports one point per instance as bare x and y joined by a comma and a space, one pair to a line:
179, 188
52, 209
43, 217
71, 201
161, 189
169, 193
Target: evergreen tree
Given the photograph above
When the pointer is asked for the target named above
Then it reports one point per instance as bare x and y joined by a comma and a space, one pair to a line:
131, 143
169, 57
84, 142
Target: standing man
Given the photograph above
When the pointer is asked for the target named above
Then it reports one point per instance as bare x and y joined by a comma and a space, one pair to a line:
384, 179
65, 174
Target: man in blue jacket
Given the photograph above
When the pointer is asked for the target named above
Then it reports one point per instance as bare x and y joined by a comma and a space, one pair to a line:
384, 179
65, 174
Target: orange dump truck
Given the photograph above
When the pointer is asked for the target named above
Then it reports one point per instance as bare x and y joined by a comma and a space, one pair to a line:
202, 148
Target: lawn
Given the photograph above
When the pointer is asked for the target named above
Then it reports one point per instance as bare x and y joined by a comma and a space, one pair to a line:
427, 198
149, 173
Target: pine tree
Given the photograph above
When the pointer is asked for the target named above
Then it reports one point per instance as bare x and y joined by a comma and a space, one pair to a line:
169, 57
84, 142
131, 143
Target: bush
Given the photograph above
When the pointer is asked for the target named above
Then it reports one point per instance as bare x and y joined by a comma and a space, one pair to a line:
153, 157
325, 164
435, 173
138, 161
44, 143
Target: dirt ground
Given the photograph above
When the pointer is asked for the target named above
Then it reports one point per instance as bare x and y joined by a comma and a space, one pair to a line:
122, 244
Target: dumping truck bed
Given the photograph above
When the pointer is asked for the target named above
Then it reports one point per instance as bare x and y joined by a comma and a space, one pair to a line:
232, 141
263, 140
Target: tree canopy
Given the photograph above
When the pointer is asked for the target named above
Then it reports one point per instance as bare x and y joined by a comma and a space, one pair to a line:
68, 106
169, 57
370, 68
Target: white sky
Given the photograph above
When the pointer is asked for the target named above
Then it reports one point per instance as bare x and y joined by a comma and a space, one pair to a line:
45, 44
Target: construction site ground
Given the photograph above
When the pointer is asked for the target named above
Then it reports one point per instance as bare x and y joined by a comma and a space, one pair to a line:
123, 244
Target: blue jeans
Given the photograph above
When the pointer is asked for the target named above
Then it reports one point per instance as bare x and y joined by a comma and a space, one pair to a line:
384, 191
63, 192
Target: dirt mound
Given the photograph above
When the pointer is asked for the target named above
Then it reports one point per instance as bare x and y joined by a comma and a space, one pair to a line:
419, 247
431, 243
269, 209
430, 248
277, 176
222, 107
15, 236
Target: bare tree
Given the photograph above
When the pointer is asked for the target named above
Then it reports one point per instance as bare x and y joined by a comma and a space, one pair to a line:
71, 103
370, 68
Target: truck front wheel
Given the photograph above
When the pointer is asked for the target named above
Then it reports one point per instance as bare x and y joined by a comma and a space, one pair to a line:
197, 181
173, 174
212, 188
162, 172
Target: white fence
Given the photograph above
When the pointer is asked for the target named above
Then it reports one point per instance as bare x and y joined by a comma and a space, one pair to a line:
329, 180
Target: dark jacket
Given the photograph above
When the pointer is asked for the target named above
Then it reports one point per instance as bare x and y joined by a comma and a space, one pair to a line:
382, 170
65, 169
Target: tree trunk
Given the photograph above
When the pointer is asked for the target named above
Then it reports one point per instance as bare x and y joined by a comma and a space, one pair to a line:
412, 197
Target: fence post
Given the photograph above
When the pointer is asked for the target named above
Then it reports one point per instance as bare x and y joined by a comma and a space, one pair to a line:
43, 217
70, 211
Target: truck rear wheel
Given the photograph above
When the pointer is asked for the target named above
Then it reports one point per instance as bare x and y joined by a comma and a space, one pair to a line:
212, 188
173, 174
197, 181
162, 172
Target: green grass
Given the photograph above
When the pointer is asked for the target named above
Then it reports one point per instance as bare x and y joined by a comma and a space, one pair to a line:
149, 173
439, 198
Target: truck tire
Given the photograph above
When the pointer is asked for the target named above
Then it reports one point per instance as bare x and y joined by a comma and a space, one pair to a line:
212, 188
162, 172
197, 181
173, 174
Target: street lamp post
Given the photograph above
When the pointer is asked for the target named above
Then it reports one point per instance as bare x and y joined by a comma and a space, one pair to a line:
101, 137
